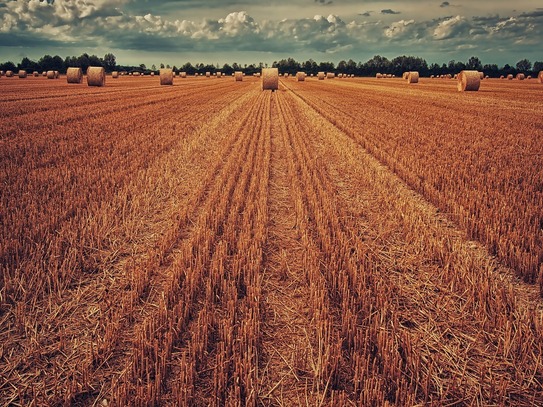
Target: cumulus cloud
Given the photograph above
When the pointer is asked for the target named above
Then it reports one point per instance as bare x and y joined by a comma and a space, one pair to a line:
450, 27
399, 28
445, 4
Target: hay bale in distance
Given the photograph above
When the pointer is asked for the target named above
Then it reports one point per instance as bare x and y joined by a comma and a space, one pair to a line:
50, 74
96, 76
152, 74
166, 76
219, 74
238, 76
330, 75
2, 73
469, 81
510, 77
35, 74
57, 74
270, 79
529, 77
320, 76
208, 74
413, 77
44, 74
74, 75
183, 74
115, 74
9, 74
521, 76
22, 74
405, 75
540, 77
300, 76
378, 75
481, 75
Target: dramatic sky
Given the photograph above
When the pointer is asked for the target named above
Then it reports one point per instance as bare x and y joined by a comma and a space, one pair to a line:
245, 31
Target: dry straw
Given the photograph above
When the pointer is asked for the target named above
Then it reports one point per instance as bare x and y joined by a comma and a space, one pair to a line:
270, 79
9, 74
378, 75
44, 74
22, 74
320, 76
413, 77
96, 76
520, 76
529, 77
219, 74
166, 76
469, 81
208, 74
183, 75
481, 75
510, 76
540, 77
330, 75
115, 74
300, 76
57, 74
36, 74
238, 75
74, 75
405, 75
2, 73
50, 74
152, 74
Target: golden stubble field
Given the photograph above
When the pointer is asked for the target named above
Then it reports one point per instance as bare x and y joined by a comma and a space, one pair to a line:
334, 243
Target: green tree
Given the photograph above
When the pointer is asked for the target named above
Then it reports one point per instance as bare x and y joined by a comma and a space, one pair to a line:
474, 64
524, 65
110, 62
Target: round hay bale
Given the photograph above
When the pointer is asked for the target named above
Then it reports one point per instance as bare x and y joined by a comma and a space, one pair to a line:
44, 74
208, 74
481, 75
340, 75
378, 75
257, 74
502, 77
238, 76
35, 74
320, 76
330, 75
166, 76
50, 74
219, 74
270, 79
413, 77
405, 75
529, 77
9, 74
183, 74
22, 74
300, 76
389, 75
469, 81
57, 74
432, 76
487, 77
74, 75
455, 76
540, 77
96, 76
115, 74
2, 73
153, 74
510, 77
521, 76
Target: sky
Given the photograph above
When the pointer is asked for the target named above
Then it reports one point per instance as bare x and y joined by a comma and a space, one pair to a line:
225, 31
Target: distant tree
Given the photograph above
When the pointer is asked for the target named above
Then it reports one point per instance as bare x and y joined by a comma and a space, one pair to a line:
143, 67
524, 65
538, 66
168, 66
161, 66
84, 61
351, 67
174, 68
377, 64
491, 70
8, 66
153, 67
95, 61
475, 64
58, 64
110, 62
227, 69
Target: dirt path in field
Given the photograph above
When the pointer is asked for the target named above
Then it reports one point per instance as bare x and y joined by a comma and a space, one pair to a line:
286, 328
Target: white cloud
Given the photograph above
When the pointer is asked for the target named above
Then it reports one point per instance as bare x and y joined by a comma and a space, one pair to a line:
450, 27
399, 28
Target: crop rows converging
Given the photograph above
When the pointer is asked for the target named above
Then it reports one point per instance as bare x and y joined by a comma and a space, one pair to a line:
331, 243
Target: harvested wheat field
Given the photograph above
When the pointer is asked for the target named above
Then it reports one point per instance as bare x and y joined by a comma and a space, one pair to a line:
213, 244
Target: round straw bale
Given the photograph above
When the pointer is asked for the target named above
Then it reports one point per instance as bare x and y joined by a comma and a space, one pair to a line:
166, 76
219, 74
9, 74
257, 74
529, 77
378, 75
481, 75
469, 81
540, 77
432, 76
510, 77
22, 74
487, 77
57, 74
330, 75
238, 75
208, 74
413, 77
50, 74
35, 74
520, 76
74, 75
2, 73
405, 75
502, 77
153, 74
183, 74
44, 74
270, 79
340, 75
320, 76
96, 76
300, 76
115, 74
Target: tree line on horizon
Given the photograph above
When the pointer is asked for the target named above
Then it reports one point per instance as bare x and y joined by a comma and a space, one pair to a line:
377, 64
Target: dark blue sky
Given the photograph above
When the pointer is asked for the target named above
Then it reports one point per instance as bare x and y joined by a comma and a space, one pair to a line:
243, 31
